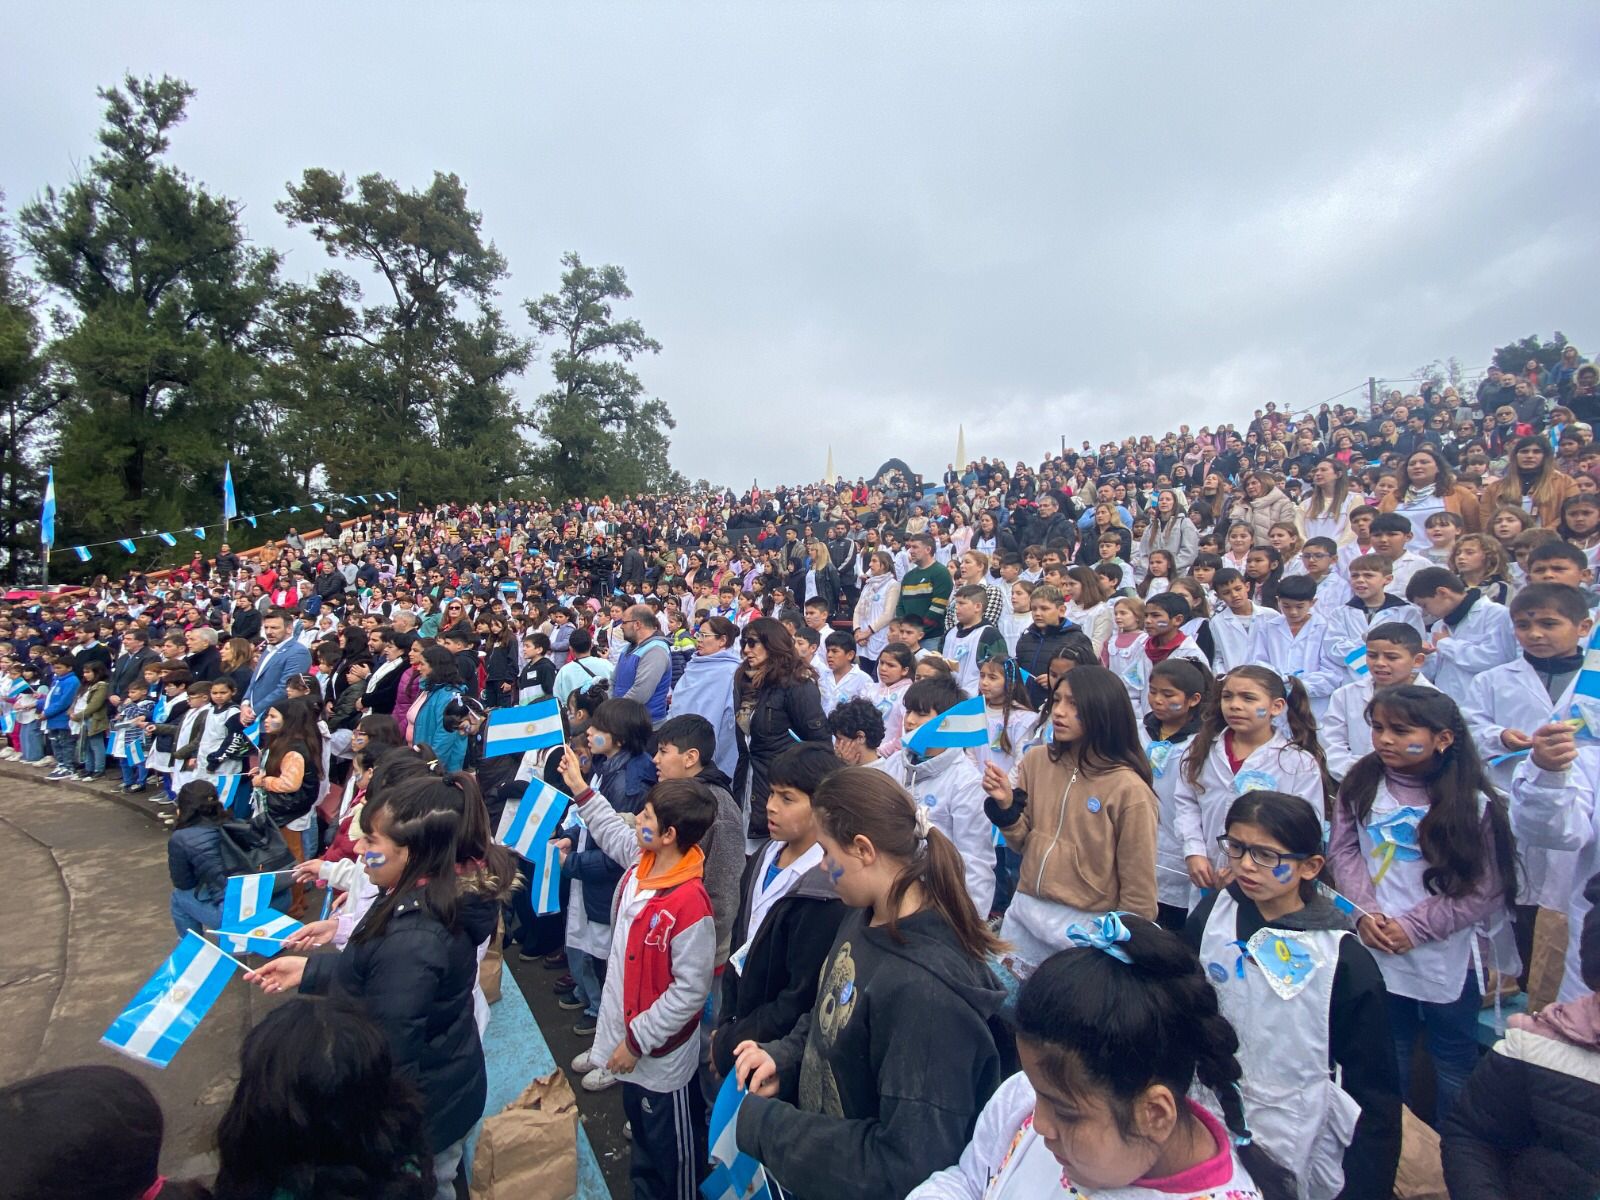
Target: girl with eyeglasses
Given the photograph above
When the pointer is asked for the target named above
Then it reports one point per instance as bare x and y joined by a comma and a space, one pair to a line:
1321, 1082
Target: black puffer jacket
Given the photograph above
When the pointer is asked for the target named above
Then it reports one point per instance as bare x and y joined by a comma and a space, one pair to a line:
784, 714
1527, 1125
415, 981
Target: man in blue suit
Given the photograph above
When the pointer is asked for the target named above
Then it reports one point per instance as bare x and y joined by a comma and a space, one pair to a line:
280, 658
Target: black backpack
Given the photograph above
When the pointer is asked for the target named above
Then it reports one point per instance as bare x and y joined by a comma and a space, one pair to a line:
253, 846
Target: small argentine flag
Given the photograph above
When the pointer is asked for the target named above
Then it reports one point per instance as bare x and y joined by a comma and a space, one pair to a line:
264, 935
509, 586
962, 726
547, 898
529, 727
124, 745
199, 531
83, 553
172, 1004
1356, 660
126, 544
166, 539
234, 794
244, 897
8, 722
736, 1175
535, 819
253, 731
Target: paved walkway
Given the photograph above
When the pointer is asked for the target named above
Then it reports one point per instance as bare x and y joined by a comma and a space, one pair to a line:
83, 923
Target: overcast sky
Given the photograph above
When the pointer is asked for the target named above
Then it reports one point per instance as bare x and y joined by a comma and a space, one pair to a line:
863, 224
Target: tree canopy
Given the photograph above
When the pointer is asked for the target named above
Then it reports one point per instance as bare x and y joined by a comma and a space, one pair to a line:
153, 343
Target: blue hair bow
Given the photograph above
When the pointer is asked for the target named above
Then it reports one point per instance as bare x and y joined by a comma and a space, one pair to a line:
1102, 934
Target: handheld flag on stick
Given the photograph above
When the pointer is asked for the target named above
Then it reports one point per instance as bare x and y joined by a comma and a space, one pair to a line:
962, 726
518, 730
548, 898
536, 817
172, 1004
47, 514
249, 922
735, 1176
230, 505
234, 794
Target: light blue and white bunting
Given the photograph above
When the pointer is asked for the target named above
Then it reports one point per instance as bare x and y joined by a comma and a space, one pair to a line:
166, 539
527, 727
963, 726
126, 544
172, 1003
83, 553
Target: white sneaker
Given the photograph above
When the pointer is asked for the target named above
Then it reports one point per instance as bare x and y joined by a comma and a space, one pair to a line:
583, 1064
598, 1080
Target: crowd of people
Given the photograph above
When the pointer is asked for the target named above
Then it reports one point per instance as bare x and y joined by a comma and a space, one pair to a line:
1287, 794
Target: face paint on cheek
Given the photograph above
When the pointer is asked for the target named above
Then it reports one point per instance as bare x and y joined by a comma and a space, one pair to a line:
1415, 749
373, 858
836, 874
646, 836
1261, 712
1282, 872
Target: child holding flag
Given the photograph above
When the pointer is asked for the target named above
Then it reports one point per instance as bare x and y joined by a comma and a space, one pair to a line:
412, 963
659, 974
949, 785
127, 735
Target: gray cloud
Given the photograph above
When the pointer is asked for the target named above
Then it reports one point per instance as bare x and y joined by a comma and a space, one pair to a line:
863, 225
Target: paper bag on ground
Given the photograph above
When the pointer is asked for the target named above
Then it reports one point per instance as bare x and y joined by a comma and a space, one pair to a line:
490, 964
529, 1151
1421, 1177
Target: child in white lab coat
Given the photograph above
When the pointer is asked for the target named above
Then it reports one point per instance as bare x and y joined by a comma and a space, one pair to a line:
1467, 634
1238, 749
1233, 625
1303, 645
1393, 656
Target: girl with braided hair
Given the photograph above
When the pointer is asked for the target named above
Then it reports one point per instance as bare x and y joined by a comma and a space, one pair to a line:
1113, 1034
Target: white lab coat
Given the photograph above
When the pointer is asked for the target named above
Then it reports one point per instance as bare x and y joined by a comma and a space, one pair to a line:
1511, 696
1554, 812
1200, 808
1407, 565
1482, 640
1313, 655
1343, 732
1332, 592
1231, 635
1354, 621
952, 788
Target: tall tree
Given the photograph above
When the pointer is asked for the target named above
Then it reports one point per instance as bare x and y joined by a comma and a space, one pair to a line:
27, 398
1514, 356
416, 382
600, 432
158, 346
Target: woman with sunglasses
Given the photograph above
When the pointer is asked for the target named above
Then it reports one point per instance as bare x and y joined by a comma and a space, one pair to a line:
1321, 1082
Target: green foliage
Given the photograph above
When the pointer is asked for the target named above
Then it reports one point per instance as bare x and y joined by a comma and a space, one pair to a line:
26, 400
411, 391
158, 344
176, 348
1514, 356
600, 434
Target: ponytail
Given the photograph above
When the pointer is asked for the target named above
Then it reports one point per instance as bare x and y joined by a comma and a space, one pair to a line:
1303, 729
1116, 1015
860, 802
